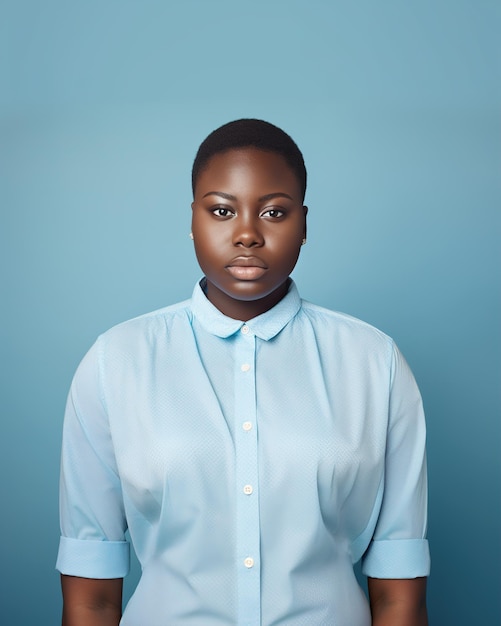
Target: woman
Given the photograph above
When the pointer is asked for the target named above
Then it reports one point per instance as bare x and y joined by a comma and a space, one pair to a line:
256, 446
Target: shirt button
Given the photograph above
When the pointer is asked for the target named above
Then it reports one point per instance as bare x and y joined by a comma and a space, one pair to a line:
249, 562
247, 426
245, 367
248, 490
245, 329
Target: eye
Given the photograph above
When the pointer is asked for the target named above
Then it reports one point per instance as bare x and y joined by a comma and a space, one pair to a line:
221, 211
273, 213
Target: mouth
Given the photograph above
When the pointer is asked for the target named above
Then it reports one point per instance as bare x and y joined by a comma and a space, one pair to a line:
247, 268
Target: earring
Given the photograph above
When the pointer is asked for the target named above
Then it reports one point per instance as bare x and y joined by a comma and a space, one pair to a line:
191, 236
304, 241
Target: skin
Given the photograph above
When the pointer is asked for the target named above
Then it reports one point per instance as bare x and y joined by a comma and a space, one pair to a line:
248, 209
398, 602
248, 224
90, 602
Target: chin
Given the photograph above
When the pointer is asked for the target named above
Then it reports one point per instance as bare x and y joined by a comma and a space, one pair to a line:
250, 291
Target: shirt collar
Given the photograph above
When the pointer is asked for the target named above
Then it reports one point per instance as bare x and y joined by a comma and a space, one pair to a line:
264, 326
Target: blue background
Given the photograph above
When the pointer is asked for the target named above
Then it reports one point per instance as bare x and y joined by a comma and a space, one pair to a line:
396, 108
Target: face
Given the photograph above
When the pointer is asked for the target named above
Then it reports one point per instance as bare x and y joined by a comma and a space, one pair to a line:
248, 225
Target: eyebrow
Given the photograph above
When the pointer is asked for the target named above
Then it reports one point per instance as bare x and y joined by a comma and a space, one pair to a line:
268, 196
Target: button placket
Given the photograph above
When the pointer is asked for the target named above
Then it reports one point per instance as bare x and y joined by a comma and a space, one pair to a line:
247, 502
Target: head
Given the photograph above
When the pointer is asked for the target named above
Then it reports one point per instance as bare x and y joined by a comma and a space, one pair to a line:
249, 221
247, 133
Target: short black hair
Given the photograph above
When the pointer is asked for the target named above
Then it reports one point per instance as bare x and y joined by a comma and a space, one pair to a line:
246, 133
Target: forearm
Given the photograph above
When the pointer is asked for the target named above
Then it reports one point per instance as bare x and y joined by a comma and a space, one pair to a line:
90, 616
399, 616
398, 602
91, 602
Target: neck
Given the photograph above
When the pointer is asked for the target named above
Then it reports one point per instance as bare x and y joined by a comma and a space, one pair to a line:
245, 310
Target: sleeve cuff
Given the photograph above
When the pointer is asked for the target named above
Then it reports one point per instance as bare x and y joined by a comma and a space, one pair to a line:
93, 559
397, 558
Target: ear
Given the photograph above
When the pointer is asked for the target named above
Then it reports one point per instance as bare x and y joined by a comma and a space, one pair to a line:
305, 211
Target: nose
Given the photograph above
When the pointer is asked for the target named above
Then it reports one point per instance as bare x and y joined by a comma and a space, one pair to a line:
247, 233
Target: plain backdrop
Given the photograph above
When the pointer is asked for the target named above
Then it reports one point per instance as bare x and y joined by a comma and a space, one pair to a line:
396, 106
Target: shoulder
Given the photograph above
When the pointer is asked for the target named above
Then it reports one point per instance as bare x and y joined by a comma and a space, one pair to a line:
342, 325
148, 327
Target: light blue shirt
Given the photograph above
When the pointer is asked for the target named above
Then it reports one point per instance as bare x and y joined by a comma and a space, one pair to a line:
253, 464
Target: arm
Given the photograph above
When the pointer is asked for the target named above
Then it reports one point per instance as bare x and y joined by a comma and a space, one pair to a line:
93, 555
399, 550
398, 602
91, 602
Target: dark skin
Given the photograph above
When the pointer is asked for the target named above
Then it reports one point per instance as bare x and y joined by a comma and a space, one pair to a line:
398, 602
248, 225
248, 211
91, 602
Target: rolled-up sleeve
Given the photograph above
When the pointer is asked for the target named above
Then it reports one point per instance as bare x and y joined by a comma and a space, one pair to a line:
93, 525
399, 548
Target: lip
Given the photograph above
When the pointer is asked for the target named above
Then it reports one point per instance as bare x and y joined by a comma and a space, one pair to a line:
247, 268
247, 261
